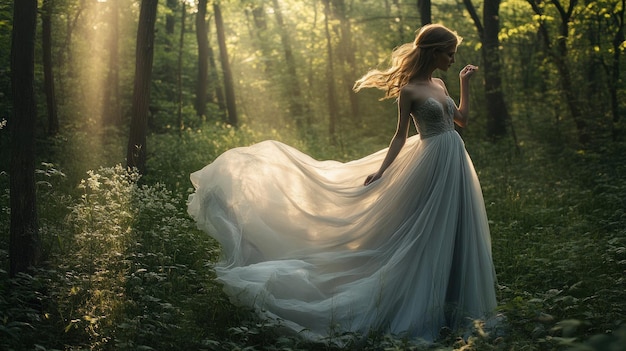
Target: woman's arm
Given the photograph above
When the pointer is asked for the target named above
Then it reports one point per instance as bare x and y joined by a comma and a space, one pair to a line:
399, 138
462, 114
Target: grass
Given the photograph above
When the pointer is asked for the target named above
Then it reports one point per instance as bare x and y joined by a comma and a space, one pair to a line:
125, 268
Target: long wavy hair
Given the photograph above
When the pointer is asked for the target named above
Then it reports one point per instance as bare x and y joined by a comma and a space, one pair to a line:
409, 60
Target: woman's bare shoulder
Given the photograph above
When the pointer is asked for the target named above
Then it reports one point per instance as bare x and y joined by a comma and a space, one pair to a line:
417, 93
441, 83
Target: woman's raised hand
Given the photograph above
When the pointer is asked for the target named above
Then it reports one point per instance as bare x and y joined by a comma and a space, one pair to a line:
468, 71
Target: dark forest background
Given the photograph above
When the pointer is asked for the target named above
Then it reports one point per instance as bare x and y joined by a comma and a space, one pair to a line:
107, 106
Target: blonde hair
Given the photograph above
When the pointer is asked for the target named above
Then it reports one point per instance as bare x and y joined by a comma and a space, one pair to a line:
409, 60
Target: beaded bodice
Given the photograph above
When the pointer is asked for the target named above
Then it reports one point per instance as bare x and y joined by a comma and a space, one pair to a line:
431, 118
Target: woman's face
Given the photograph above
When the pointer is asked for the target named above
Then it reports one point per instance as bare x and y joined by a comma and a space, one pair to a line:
445, 58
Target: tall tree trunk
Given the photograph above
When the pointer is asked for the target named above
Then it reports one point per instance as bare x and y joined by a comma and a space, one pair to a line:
558, 54
24, 232
203, 63
111, 112
259, 18
346, 52
330, 75
594, 87
179, 71
136, 152
497, 112
425, 9
170, 20
565, 74
214, 78
296, 103
46, 46
259, 32
614, 69
311, 70
228, 76
64, 52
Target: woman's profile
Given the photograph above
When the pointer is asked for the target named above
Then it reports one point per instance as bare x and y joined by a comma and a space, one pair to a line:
395, 242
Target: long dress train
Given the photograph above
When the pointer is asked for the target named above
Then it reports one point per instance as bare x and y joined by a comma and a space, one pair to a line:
305, 242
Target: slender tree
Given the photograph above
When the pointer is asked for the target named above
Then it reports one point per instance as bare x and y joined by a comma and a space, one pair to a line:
333, 107
214, 79
136, 151
24, 232
311, 71
258, 31
203, 60
179, 71
558, 53
228, 76
296, 102
613, 68
65, 53
425, 10
111, 112
488, 30
46, 46
258, 17
170, 20
345, 51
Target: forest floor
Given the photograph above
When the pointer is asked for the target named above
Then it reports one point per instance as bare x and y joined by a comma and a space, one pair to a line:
125, 268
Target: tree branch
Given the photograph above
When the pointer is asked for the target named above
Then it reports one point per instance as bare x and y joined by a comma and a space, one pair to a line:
472, 11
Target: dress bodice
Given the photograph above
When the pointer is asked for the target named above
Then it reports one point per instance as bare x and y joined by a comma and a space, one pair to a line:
431, 118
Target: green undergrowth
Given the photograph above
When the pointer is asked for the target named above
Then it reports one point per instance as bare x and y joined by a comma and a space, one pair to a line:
126, 269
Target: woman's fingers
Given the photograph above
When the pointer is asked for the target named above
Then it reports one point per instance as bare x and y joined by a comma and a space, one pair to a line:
468, 70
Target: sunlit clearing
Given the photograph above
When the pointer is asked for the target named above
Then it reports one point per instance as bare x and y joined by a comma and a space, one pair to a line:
90, 64
94, 58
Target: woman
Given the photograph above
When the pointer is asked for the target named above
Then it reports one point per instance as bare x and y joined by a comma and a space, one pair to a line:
409, 253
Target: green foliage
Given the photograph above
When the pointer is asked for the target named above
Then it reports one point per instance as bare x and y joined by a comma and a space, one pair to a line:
126, 269
558, 240
118, 272
6, 11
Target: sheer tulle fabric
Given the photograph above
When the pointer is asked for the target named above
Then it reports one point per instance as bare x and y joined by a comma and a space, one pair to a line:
304, 241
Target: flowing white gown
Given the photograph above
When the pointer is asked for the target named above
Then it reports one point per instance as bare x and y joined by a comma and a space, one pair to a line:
305, 242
